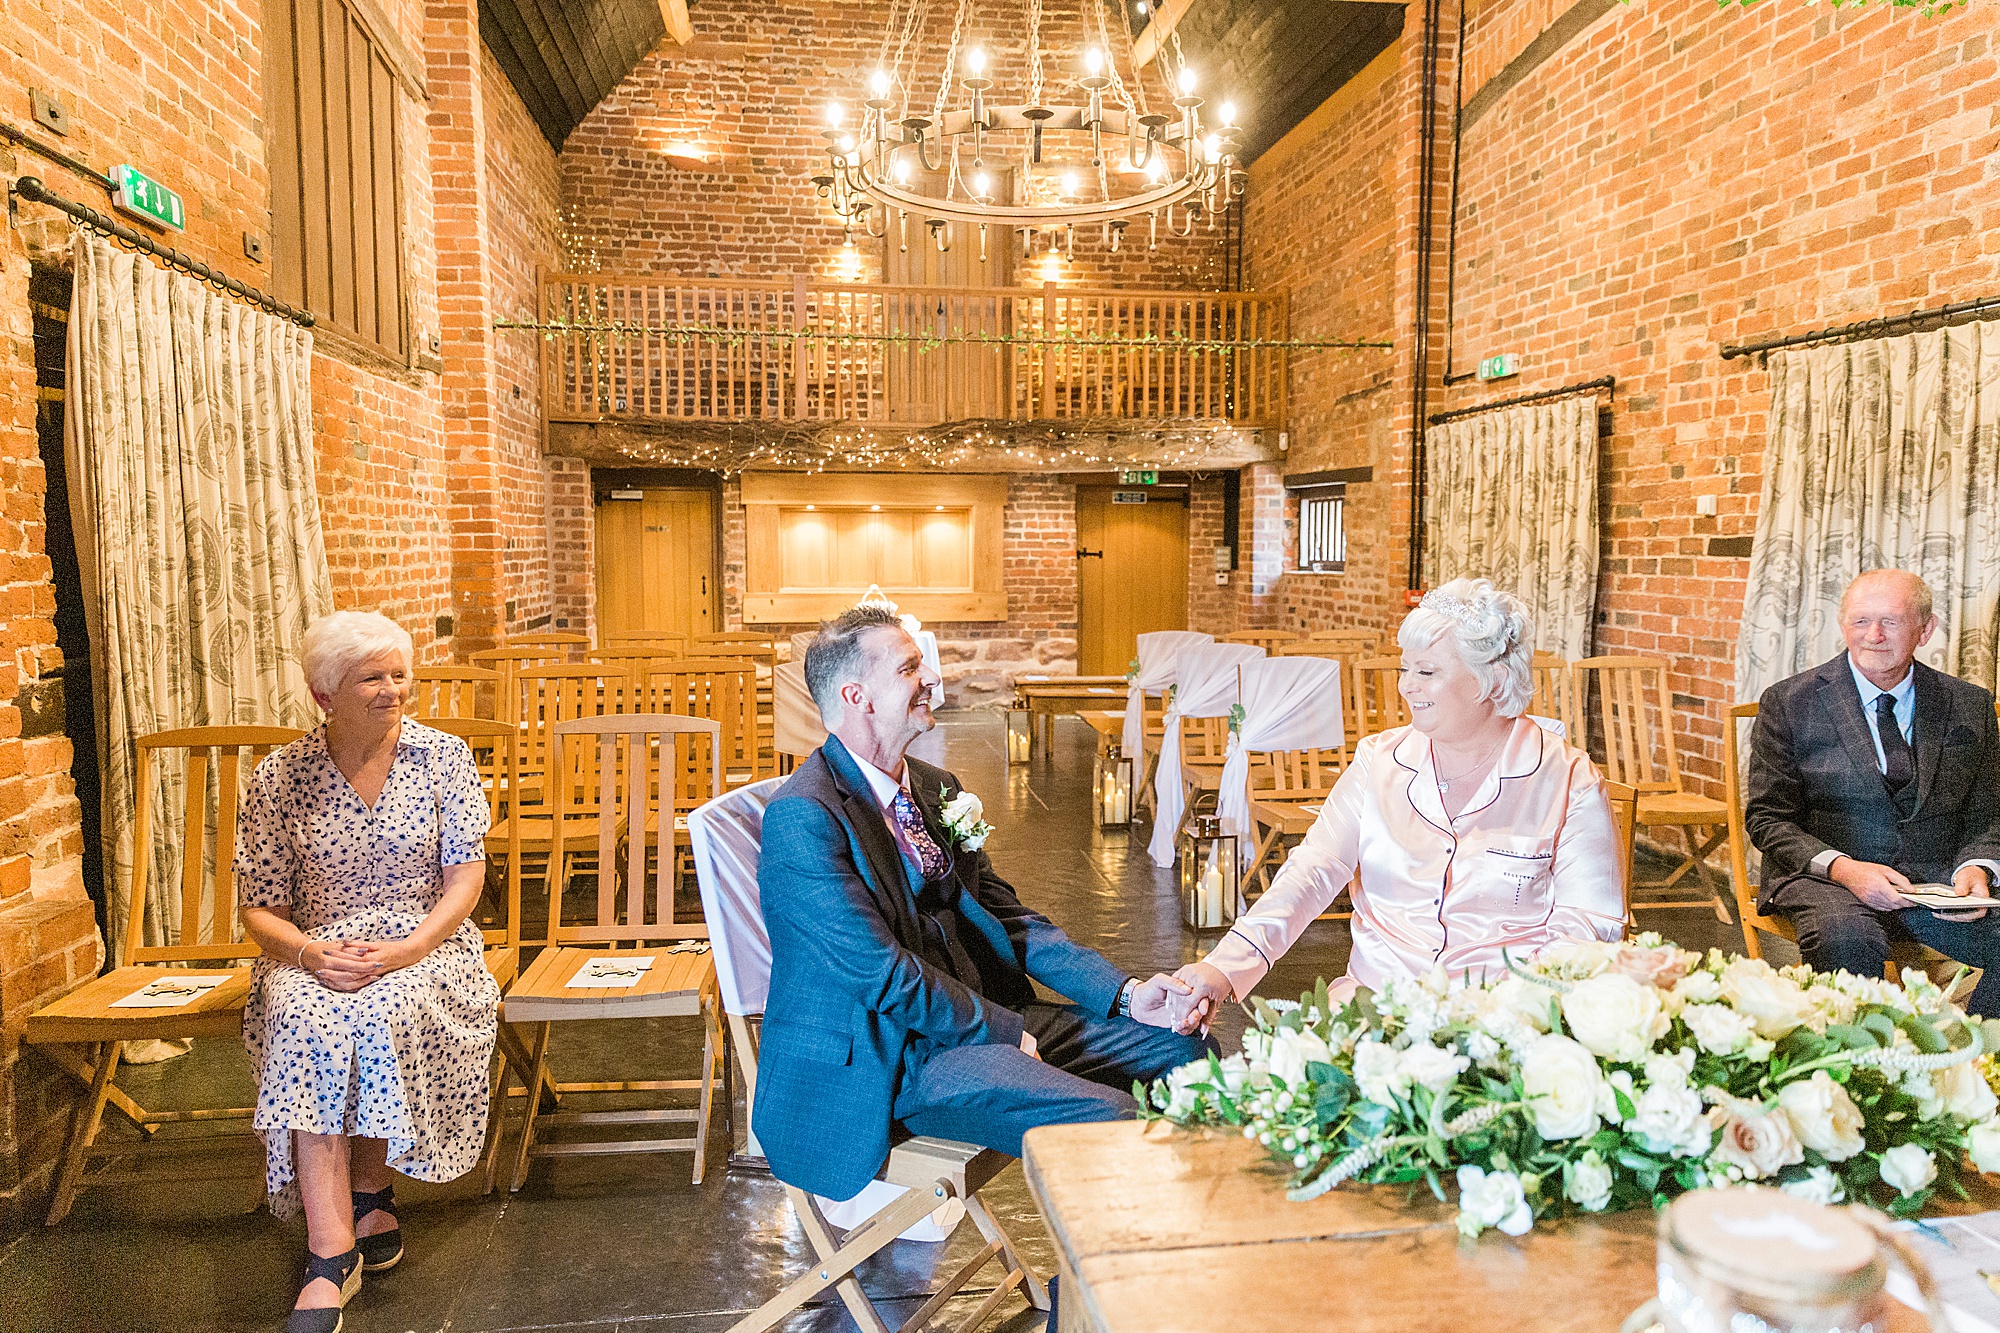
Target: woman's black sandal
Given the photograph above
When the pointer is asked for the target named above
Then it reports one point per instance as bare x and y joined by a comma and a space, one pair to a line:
344, 1272
385, 1249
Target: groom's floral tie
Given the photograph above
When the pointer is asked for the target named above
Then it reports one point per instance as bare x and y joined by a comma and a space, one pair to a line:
931, 860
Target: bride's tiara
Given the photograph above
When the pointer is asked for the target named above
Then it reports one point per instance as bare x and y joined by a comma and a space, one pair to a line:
1463, 612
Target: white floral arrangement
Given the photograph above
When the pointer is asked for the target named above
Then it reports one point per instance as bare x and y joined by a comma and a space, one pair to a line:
964, 819
1597, 1077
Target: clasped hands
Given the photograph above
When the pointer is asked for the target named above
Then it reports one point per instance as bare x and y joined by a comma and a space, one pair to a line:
348, 965
1185, 1001
1882, 887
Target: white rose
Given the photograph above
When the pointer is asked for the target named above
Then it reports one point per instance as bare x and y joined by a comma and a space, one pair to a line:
1482, 1046
1523, 1001
1182, 1101
1965, 1092
1758, 1143
1818, 1186
1615, 1017
1823, 1116
964, 808
1668, 1118
1720, 1029
1378, 1071
1984, 1143
1433, 1067
1698, 988
1587, 1182
1492, 1199
1671, 1068
1774, 1003
1292, 1050
1563, 1086
1908, 1167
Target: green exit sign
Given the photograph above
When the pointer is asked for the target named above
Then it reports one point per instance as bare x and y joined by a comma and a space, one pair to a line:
1500, 367
1138, 478
146, 199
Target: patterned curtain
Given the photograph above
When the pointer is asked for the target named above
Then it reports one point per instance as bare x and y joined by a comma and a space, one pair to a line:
1882, 453
197, 529
1512, 496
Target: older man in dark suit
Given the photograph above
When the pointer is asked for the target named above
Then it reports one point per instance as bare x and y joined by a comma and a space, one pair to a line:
901, 962
1871, 775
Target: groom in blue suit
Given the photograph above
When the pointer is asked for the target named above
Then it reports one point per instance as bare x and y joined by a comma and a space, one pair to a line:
901, 1000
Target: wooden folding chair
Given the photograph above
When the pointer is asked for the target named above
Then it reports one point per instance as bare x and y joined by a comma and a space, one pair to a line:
1267, 639
454, 691
1285, 777
725, 833
508, 663
1639, 751
762, 651
1353, 717
84, 1033
547, 639
1359, 642
630, 759
1744, 891
1556, 696
1378, 694
657, 642
723, 690
496, 749
1625, 821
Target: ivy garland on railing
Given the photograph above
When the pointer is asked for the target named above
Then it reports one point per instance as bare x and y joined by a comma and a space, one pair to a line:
930, 342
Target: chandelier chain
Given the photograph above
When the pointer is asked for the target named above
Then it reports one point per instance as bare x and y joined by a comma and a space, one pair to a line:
1035, 77
916, 13
1111, 66
950, 62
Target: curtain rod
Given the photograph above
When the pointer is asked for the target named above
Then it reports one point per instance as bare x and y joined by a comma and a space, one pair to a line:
1587, 386
1867, 328
32, 189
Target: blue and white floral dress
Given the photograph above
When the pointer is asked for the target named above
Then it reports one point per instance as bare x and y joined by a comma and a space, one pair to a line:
404, 1058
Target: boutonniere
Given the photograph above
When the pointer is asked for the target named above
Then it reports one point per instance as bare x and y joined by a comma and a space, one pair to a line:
964, 821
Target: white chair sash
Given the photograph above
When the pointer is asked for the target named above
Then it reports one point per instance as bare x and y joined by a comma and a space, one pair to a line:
1289, 703
1158, 654
726, 837
1206, 688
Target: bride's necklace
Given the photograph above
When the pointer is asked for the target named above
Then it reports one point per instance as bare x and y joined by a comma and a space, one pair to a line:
1444, 783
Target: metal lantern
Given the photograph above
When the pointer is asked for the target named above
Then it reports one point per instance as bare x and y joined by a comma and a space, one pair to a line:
1112, 787
1209, 874
1020, 735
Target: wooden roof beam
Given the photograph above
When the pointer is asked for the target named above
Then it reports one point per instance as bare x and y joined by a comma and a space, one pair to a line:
675, 14
1154, 37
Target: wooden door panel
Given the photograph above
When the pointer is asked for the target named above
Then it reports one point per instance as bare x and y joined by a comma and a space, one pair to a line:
656, 564
1138, 584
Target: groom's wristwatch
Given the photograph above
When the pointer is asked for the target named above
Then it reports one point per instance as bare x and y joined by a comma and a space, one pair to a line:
1123, 1009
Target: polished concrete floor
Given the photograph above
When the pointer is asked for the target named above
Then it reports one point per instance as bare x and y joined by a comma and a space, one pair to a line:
624, 1243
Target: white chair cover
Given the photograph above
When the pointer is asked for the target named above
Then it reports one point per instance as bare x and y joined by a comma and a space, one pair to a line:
726, 836
795, 728
1206, 688
1289, 703
1158, 653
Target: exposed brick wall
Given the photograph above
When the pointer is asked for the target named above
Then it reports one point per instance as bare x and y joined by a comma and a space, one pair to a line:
1673, 178
572, 542
1211, 606
178, 89
748, 95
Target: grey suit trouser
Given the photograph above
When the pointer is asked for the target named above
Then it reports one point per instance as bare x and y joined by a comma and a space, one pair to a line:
1838, 930
991, 1095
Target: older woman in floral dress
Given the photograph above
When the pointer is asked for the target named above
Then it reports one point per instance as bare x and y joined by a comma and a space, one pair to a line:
371, 1017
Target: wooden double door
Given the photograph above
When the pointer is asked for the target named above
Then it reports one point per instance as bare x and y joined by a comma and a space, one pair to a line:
1131, 572
656, 567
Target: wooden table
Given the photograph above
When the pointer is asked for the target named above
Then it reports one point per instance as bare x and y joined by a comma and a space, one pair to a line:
1160, 1231
1047, 697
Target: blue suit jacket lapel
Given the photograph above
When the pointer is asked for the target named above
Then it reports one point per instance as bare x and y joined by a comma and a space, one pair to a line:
882, 864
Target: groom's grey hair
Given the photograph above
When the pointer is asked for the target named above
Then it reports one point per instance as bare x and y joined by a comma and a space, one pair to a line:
838, 654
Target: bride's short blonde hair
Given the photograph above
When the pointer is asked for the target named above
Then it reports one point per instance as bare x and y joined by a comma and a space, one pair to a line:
1492, 632
337, 643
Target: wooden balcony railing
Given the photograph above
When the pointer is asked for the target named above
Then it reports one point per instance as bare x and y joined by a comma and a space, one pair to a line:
727, 350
